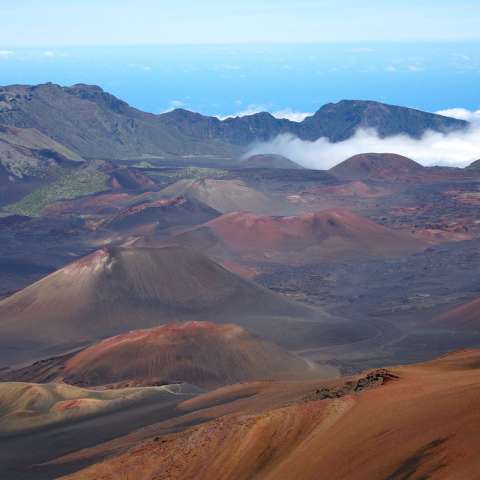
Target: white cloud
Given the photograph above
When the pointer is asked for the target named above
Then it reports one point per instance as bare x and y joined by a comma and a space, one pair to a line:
415, 68
173, 105
472, 116
177, 103
250, 110
6, 54
286, 113
456, 149
53, 54
291, 115
143, 68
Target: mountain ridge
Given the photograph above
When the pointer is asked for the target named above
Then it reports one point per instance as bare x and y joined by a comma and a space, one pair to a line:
96, 124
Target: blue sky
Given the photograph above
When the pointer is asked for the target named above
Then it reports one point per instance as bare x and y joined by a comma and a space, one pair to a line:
125, 22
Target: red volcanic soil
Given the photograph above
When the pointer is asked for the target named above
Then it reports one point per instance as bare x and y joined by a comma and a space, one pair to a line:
469, 198
465, 317
201, 353
455, 228
93, 204
128, 179
438, 235
328, 235
387, 166
69, 404
115, 290
353, 189
243, 271
423, 423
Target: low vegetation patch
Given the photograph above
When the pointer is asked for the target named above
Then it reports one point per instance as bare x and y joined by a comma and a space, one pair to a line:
66, 184
192, 173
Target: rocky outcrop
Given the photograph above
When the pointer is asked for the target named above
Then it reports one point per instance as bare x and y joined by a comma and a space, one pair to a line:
371, 379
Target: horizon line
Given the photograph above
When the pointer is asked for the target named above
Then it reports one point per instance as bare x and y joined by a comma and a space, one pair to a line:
358, 43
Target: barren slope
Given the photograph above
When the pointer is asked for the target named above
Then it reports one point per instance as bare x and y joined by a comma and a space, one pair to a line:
464, 317
269, 161
326, 235
25, 407
423, 424
116, 290
386, 166
222, 195
158, 215
201, 353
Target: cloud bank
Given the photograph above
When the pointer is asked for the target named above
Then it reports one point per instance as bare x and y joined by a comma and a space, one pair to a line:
456, 149
462, 114
289, 114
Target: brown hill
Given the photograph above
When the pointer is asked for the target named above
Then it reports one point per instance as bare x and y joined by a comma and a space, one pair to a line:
201, 353
222, 195
327, 235
464, 317
115, 290
414, 422
387, 166
159, 214
27, 407
269, 161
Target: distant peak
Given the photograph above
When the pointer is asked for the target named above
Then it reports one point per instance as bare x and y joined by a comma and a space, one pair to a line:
348, 104
182, 111
184, 114
87, 87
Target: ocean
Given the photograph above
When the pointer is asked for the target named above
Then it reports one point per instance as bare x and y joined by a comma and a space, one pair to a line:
227, 80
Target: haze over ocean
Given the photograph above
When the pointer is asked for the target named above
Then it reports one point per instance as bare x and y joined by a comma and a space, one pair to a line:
228, 79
